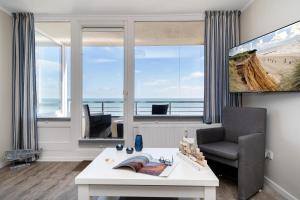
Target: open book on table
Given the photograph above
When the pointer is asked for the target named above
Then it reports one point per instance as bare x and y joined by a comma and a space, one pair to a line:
145, 164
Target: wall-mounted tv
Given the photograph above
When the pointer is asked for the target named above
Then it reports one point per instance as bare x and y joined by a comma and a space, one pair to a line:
268, 63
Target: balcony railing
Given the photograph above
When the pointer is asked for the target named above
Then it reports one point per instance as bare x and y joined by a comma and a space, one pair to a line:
144, 108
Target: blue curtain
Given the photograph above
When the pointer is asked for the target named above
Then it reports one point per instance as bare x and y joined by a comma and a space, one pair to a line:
24, 121
222, 32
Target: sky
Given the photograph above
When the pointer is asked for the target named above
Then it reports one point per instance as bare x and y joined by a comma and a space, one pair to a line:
48, 71
160, 71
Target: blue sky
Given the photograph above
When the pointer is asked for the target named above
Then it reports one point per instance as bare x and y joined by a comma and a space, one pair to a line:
48, 71
160, 72
169, 71
156, 72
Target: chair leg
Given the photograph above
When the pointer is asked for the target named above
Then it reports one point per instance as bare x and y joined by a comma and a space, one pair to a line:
250, 181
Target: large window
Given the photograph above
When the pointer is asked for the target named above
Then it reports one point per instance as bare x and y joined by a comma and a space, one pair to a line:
168, 68
169, 62
52, 69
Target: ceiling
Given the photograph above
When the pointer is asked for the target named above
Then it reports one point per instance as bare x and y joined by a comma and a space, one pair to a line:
146, 33
59, 32
121, 7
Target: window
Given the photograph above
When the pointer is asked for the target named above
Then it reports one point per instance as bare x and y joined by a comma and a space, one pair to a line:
103, 70
53, 69
103, 77
169, 65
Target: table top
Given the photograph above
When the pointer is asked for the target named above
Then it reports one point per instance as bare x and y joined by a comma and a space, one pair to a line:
100, 171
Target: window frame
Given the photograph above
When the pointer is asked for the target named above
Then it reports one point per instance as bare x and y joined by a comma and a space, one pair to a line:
189, 18
76, 82
106, 28
63, 79
76, 42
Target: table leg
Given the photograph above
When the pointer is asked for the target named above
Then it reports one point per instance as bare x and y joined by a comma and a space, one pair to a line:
209, 193
83, 192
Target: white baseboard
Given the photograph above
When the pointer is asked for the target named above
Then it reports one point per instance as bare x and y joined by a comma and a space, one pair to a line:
64, 159
279, 189
59, 160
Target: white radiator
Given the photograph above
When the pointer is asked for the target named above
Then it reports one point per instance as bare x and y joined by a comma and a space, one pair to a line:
165, 135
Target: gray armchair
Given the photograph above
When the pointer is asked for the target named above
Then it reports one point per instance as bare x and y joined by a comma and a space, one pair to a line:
240, 143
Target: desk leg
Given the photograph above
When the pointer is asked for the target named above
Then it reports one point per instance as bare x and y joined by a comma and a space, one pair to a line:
83, 192
210, 193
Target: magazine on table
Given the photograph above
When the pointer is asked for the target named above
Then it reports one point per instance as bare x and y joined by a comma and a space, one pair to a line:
145, 164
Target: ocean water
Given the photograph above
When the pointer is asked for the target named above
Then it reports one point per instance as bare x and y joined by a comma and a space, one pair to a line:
114, 106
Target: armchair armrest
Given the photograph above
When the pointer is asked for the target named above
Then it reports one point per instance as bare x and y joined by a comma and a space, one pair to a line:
252, 147
210, 135
251, 164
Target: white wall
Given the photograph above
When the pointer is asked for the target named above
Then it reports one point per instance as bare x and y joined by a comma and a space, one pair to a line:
283, 131
5, 84
60, 144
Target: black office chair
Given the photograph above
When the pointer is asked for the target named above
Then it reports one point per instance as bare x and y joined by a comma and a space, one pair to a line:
96, 126
160, 109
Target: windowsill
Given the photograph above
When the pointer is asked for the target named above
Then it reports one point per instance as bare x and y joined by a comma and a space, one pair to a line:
136, 118
53, 119
101, 140
142, 118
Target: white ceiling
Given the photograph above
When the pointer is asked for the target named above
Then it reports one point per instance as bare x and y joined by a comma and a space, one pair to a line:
121, 7
146, 33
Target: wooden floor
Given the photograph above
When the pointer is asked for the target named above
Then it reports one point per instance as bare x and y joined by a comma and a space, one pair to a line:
55, 181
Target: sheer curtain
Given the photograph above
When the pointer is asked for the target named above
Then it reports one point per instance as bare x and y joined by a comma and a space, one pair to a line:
222, 32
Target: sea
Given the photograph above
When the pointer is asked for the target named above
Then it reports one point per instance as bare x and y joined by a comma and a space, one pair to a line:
51, 107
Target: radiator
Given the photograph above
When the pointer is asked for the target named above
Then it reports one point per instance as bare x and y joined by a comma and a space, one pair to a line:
166, 136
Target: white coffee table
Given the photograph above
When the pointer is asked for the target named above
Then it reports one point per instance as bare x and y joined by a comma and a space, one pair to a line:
99, 179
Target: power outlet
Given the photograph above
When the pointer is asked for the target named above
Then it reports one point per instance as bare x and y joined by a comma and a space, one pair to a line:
269, 155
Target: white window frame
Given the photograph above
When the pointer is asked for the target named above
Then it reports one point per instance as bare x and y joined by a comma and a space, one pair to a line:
76, 119
76, 63
108, 27
148, 118
63, 80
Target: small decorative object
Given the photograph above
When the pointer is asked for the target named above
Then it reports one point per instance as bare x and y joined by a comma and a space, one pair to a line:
25, 156
189, 151
138, 145
168, 162
129, 150
119, 147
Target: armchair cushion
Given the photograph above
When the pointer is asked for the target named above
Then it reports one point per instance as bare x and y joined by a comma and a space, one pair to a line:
210, 135
243, 121
228, 150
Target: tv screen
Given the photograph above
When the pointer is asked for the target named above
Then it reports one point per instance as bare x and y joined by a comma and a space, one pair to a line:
269, 63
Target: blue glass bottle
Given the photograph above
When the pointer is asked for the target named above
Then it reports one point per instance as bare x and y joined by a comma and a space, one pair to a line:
138, 145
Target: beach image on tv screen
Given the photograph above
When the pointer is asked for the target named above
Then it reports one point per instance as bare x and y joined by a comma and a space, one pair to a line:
268, 63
